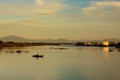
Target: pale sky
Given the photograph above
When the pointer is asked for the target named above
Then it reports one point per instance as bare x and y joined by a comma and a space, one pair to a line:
54, 19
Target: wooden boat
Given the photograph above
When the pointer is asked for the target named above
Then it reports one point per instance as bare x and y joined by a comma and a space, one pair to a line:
37, 56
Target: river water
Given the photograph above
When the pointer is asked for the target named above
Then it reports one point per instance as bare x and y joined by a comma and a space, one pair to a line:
69, 63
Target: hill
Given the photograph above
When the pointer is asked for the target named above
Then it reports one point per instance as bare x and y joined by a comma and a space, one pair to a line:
15, 38
22, 39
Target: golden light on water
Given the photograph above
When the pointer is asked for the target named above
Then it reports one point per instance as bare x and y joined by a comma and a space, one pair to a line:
106, 50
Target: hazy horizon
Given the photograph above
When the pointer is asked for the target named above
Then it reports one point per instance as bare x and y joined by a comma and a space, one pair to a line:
16, 37
56, 19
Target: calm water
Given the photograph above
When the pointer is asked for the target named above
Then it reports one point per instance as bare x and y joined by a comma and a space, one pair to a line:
73, 63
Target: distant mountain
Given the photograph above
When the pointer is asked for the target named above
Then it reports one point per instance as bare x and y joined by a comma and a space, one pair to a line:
21, 39
13, 38
62, 40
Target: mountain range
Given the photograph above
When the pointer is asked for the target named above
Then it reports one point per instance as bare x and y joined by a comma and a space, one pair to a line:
15, 38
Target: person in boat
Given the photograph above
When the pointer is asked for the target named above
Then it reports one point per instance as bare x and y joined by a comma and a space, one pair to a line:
37, 55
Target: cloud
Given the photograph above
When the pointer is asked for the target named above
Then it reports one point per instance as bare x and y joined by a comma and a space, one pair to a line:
101, 5
39, 2
49, 6
109, 9
107, 4
44, 7
7, 9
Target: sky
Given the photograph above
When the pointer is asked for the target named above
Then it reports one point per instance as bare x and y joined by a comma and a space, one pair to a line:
55, 19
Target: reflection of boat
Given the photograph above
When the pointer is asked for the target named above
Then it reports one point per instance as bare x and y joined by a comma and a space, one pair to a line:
37, 56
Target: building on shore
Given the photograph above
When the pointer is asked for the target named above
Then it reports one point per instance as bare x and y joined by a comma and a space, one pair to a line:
106, 43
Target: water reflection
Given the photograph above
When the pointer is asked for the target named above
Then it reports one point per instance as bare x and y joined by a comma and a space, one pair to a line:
77, 63
1, 48
72, 74
106, 50
118, 49
15, 50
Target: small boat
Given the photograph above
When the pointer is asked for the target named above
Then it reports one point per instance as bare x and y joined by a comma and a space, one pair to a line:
18, 51
110, 50
37, 56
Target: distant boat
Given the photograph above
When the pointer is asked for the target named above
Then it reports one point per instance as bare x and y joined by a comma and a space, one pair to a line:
18, 51
38, 56
110, 50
